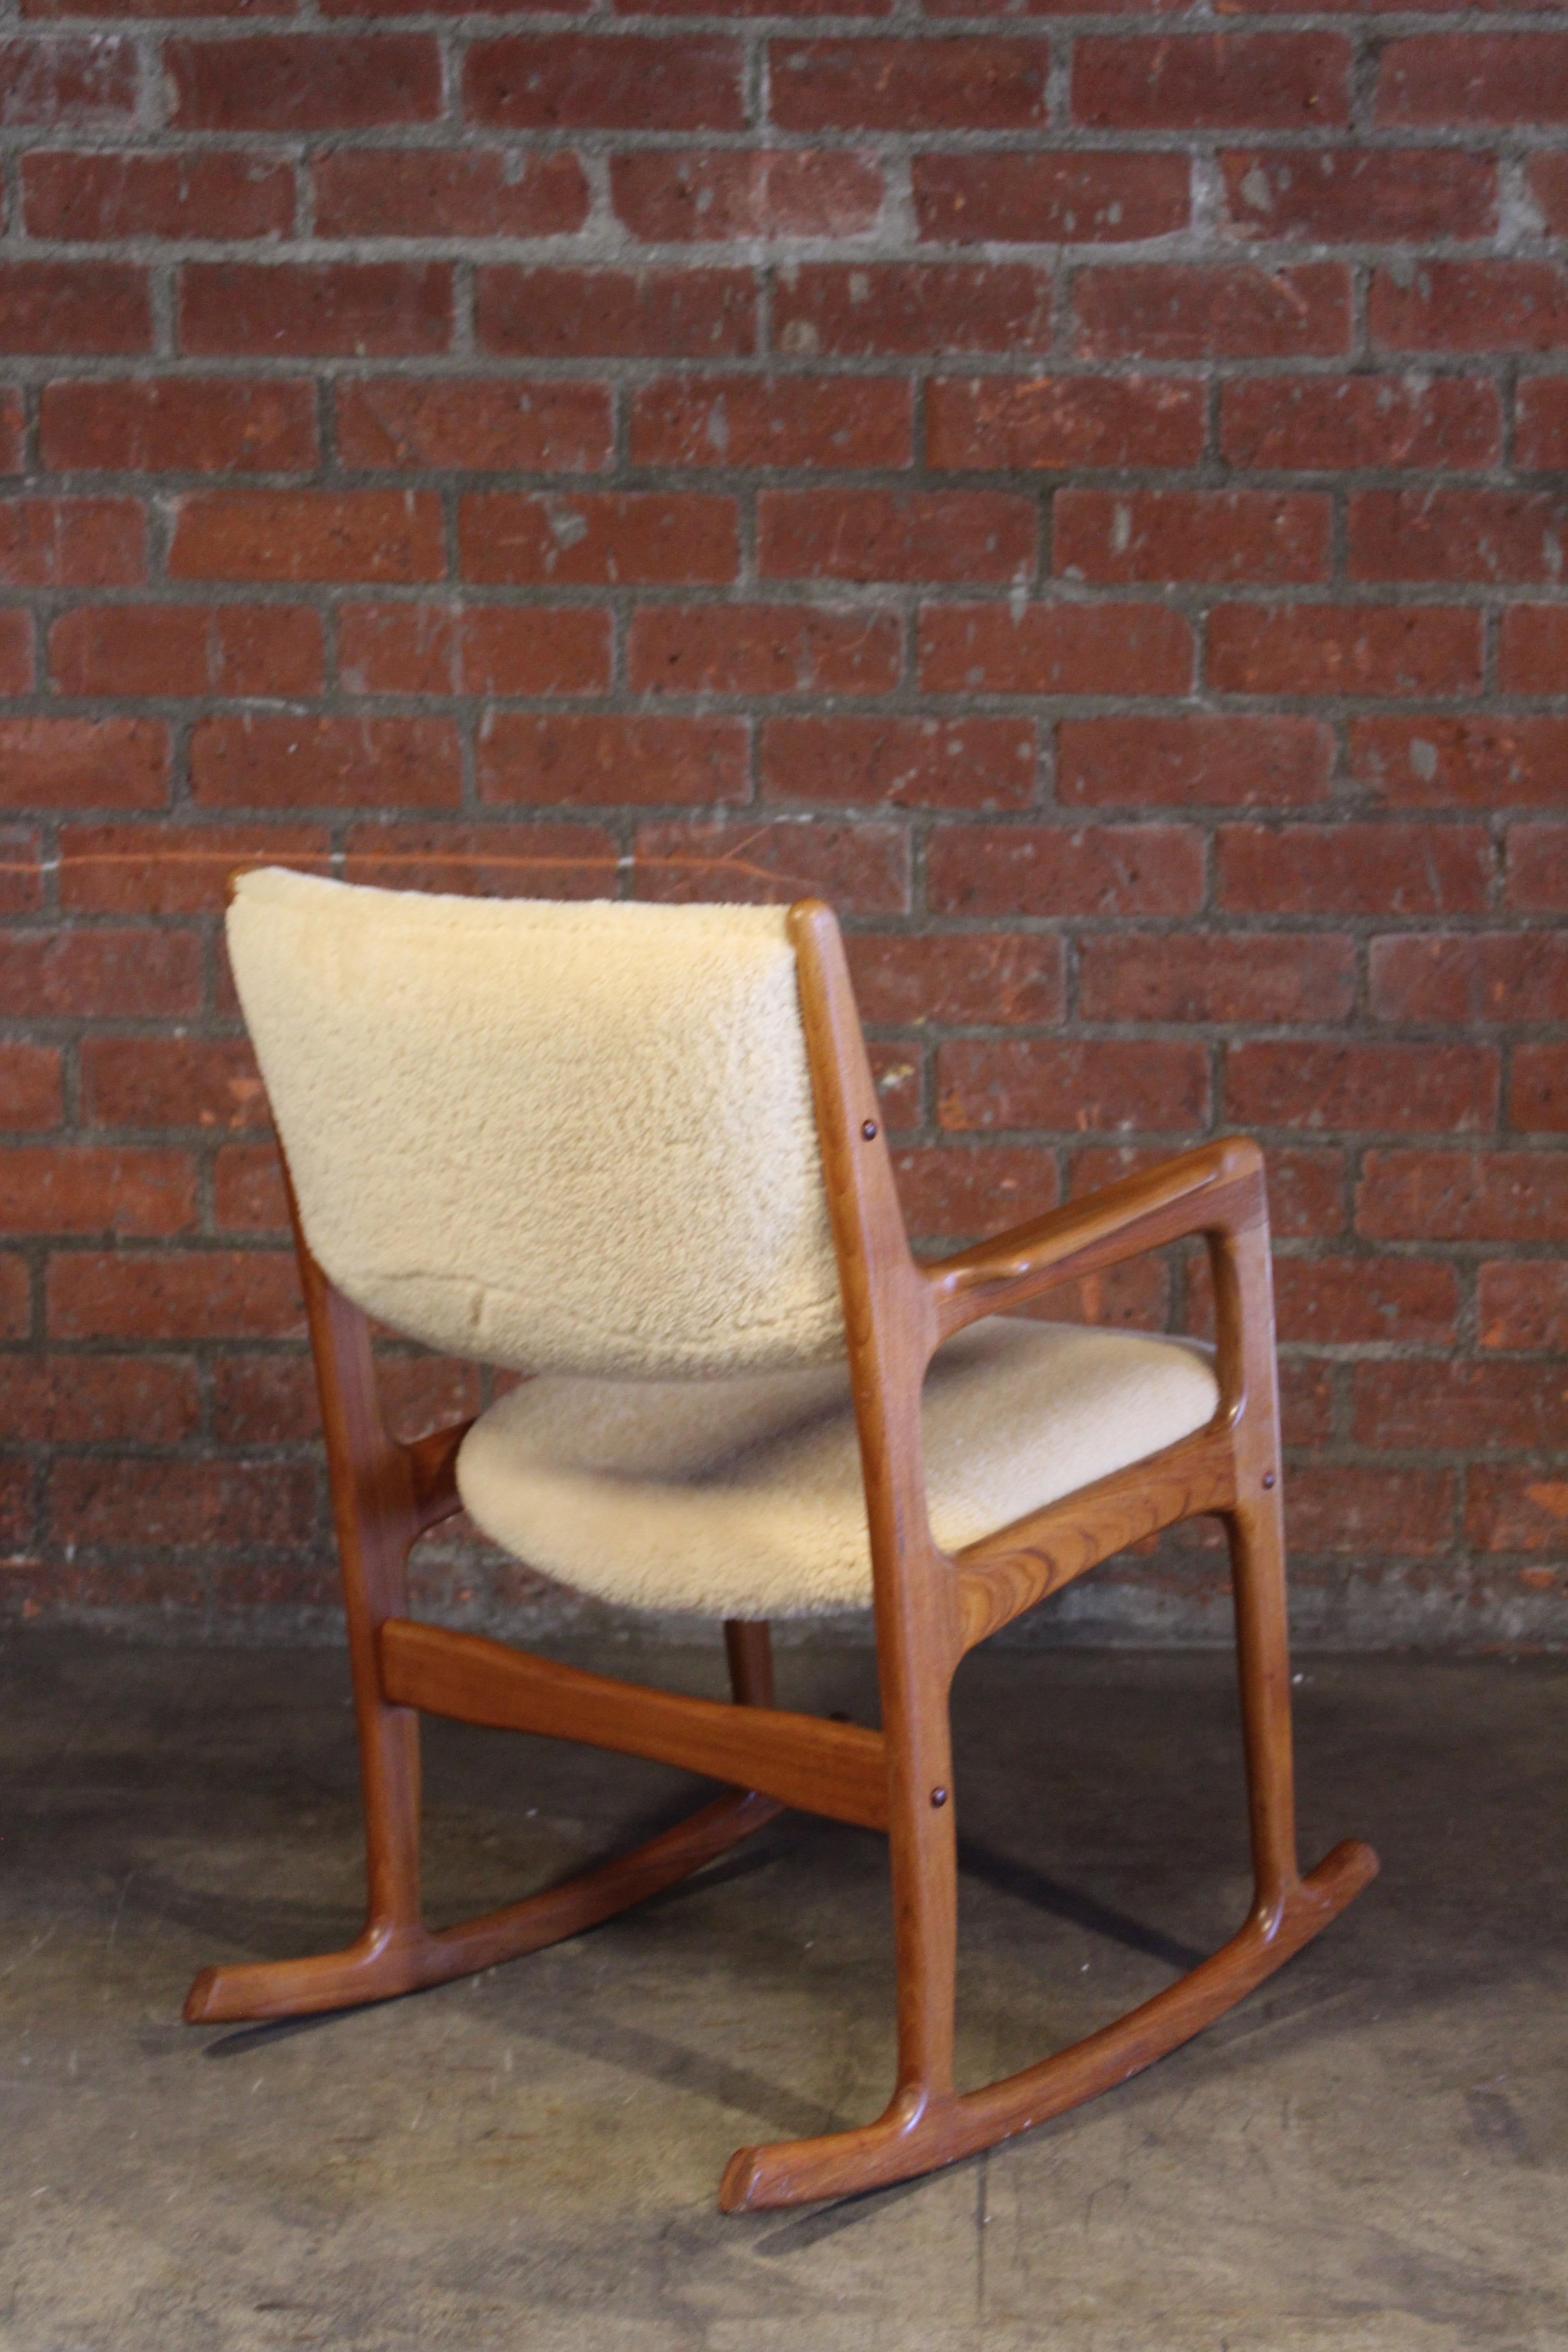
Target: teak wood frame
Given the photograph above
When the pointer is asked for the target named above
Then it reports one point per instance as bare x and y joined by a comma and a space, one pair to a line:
929, 1608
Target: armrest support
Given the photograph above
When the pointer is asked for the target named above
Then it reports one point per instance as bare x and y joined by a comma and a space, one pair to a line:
1217, 1189
432, 1464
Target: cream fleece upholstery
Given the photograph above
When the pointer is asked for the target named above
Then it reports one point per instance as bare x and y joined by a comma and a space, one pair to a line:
744, 1498
562, 1137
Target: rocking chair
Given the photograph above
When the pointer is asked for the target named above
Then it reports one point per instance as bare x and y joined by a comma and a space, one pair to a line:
634, 1151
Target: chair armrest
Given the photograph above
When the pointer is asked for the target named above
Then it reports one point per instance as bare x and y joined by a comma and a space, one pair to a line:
1218, 1189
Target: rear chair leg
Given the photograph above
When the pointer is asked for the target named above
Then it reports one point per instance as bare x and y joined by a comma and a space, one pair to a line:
1263, 1664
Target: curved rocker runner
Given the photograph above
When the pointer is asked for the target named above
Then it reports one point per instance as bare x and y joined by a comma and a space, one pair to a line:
1089, 1440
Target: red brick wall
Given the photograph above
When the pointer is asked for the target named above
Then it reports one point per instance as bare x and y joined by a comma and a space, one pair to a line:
1078, 491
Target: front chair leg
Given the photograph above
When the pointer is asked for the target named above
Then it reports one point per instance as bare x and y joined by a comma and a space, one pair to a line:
923, 1854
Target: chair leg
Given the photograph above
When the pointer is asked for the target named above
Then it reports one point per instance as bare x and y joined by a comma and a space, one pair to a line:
1256, 1539
923, 1857
396, 1953
926, 2123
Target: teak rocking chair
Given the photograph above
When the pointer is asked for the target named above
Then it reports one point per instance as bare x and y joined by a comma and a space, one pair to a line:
595, 1225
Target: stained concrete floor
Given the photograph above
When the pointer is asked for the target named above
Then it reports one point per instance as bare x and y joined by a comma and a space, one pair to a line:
1370, 2156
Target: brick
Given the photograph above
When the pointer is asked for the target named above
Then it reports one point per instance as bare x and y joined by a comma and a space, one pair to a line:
763, 649
174, 870
1536, 879
1055, 649
957, 979
1356, 649
102, 1500
1000, 424
1471, 306
1500, 536
909, 308
558, 314
576, 82
174, 1294
72, 543
74, 1189
904, 85
1344, 195
1458, 1407
894, 535
492, 860
55, 85
1362, 1088
29, 1087
710, 194
1522, 1303
1223, 976
502, 426
56, 308
1533, 652
1267, 81
1361, 1301
1306, 1403
1264, 538
573, 761
21, 879
1537, 1091
1340, 424
1502, 77
1070, 1086
298, 762
635, 539
302, 81
271, 1400
1044, 8
98, 1400
1049, 870
951, 763
179, 424
11, 426
1541, 432
17, 1511
1517, 1509
307, 535
1463, 1196
346, 310
1173, 310
486, 649
959, 1191
1053, 199
759, 421
143, 8
437, 191
186, 649
74, 763
1479, 763
154, 1082
1353, 869
16, 1297
66, 975
860, 869
249, 1195
102, 198
899, 1077
1470, 977
1195, 760
15, 651
1547, 179
1368, 1510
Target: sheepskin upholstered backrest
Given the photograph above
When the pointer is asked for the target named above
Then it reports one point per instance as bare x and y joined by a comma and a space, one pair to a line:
558, 1137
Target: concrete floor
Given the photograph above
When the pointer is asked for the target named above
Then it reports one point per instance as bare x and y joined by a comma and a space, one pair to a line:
1369, 2156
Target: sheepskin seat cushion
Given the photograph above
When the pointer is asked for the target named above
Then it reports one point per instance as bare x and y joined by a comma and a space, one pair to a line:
570, 1138
744, 1498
